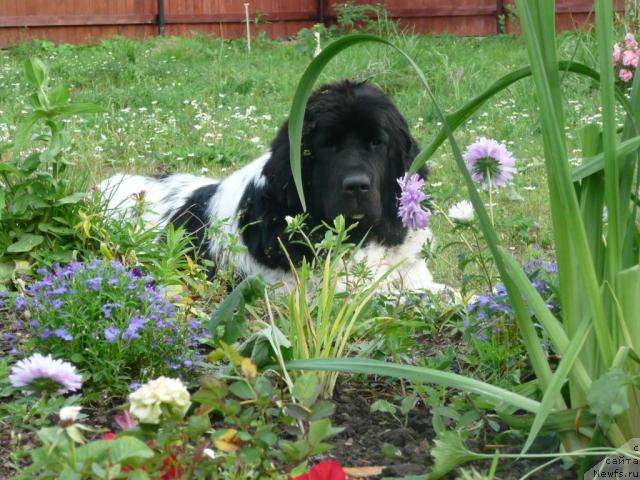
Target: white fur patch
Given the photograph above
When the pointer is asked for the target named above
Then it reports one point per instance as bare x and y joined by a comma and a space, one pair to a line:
411, 272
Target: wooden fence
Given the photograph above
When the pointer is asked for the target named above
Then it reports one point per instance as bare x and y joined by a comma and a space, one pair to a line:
77, 21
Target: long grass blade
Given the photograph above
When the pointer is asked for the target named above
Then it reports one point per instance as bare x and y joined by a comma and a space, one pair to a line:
604, 34
416, 374
571, 242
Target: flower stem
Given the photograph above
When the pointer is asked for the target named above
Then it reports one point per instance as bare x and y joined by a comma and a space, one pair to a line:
493, 224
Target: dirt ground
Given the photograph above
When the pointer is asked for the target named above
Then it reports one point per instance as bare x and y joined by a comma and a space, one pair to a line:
366, 435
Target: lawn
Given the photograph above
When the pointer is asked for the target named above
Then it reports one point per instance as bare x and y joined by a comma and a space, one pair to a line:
208, 106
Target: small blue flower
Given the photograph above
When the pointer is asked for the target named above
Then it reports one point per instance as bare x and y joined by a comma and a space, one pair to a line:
21, 303
63, 334
111, 333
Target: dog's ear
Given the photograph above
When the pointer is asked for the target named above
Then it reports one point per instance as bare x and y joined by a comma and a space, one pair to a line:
277, 171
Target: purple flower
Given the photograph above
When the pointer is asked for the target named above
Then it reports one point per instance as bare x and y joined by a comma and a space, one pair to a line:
94, 283
107, 307
411, 211
57, 304
63, 334
136, 272
21, 303
38, 372
111, 333
135, 324
490, 161
46, 333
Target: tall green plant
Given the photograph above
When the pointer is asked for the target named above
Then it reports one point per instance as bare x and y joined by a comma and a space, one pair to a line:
319, 319
39, 203
598, 334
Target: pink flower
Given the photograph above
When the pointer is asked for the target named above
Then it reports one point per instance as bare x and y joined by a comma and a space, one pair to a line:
630, 41
39, 373
630, 58
616, 53
625, 75
411, 211
487, 160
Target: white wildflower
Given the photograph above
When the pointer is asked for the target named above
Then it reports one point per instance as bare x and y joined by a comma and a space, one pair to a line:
461, 212
69, 414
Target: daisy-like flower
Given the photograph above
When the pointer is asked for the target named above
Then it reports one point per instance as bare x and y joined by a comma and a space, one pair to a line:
69, 414
461, 212
160, 397
40, 373
411, 211
487, 160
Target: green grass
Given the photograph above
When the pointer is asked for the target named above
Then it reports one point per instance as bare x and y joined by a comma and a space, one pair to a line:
207, 106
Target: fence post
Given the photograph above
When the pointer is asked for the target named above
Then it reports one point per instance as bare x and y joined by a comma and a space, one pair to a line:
321, 12
499, 15
161, 18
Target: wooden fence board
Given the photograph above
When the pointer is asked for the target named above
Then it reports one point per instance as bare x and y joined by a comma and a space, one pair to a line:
91, 20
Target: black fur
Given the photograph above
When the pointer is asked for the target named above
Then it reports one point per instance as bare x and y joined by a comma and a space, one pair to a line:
192, 216
348, 127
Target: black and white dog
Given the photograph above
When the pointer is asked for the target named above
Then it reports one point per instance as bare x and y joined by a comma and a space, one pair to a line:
355, 145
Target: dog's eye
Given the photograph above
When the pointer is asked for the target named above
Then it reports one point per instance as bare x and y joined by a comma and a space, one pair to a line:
377, 142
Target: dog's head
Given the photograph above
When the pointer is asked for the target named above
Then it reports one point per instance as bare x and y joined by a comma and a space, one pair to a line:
355, 145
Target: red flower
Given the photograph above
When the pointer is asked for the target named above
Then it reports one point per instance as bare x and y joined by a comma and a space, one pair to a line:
327, 470
171, 469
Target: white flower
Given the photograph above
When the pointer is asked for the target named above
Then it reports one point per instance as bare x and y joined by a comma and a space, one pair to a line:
288, 219
209, 453
160, 397
461, 212
69, 414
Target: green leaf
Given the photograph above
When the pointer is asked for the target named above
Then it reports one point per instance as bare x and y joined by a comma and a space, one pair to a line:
229, 312
628, 288
26, 242
407, 404
24, 201
383, 406
36, 72
306, 388
608, 396
416, 374
8, 168
265, 436
594, 164
321, 430
198, 425
78, 109
3, 202
59, 96
6, 270
448, 453
322, 409
74, 198
241, 390
212, 391
128, 447
249, 455
24, 128
297, 411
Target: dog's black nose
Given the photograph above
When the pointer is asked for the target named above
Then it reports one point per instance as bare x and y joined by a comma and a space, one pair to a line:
356, 183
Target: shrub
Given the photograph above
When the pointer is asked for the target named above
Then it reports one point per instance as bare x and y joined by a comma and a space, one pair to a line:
39, 199
115, 324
